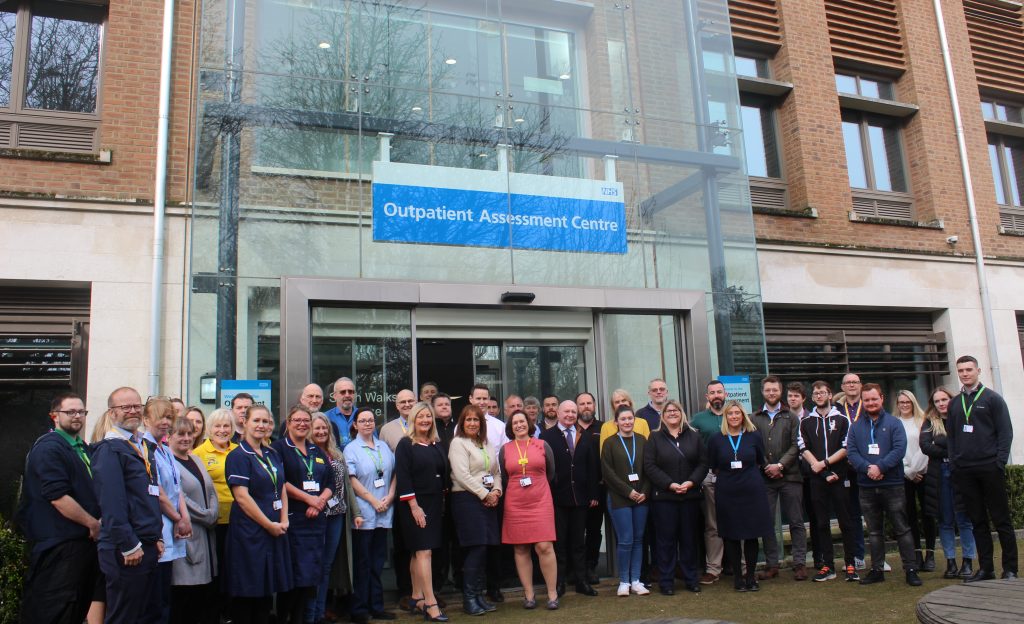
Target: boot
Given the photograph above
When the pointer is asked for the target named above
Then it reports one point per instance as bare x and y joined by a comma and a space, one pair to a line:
966, 569
920, 560
951, 570
929, 561
469, 604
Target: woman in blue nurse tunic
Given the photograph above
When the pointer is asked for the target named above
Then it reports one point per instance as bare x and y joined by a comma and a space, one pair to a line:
258, 562
308, 482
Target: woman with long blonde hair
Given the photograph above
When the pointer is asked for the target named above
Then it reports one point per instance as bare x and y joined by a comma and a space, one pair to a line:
915, 465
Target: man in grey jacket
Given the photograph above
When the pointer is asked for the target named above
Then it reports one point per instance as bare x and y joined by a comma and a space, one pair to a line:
783, 481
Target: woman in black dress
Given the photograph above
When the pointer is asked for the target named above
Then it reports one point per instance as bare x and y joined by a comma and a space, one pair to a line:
737, 456
421, 469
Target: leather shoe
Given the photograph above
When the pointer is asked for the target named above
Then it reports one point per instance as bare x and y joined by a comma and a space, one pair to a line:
874, 576
585, 589
913, 579
800, 573
1007, 574
980, 575
768, 573
695, 588
667, 591
967, 569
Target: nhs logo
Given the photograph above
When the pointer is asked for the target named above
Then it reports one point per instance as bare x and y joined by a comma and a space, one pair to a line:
609, 191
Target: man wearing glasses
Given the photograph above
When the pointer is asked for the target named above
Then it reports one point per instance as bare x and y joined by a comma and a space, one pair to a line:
344, 411
130, 536
850, 406
60, 515
657, 390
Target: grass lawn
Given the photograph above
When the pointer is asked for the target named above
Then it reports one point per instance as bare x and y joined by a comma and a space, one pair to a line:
780, 600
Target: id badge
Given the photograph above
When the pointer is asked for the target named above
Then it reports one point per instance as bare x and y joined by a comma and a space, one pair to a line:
633, 477
846, 483
278, 505
154, 490
525, 482
968, 428
873, 449
736, 465
378, 483
523, 461
311, 486
331, 503
488, 480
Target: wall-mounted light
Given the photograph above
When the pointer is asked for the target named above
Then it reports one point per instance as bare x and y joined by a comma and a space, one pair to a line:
208, 388
517, 297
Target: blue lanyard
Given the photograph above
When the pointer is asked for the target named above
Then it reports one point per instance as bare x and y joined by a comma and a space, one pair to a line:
873, 425
626, 451
736, 446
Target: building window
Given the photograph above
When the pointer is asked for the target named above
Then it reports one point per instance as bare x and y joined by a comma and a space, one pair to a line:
1001, 111
1007, 157
874, 157
760, 141
49, 74
864, 87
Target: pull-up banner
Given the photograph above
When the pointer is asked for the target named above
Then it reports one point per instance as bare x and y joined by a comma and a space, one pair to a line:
469, 207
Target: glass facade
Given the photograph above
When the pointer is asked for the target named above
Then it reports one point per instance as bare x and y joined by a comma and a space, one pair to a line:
300, 102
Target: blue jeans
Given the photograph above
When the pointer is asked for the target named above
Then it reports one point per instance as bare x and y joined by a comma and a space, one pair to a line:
335, 531
369, 548
947, 515
629, 523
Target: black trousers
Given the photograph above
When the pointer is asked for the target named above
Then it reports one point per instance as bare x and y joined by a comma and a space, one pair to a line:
570, 547
732, 551
60, 583
676, 542
813, 543
921, 524
131, 590
189, 604
829, 498
983, 491
251, 610
595, 521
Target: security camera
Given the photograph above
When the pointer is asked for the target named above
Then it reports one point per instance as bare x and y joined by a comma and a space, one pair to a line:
953, 240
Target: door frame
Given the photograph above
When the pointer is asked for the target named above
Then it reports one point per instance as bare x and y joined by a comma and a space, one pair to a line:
299, 294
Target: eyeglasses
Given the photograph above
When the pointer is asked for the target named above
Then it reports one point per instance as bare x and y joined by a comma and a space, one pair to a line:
73, 413
820, 393
344, 392
659, 389
133, 407
366, 422
851, 383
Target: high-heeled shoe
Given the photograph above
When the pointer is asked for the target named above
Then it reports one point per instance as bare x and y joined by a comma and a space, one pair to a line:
414, 605
440, 617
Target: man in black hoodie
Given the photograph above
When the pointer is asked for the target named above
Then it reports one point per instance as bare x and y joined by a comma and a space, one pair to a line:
979, 437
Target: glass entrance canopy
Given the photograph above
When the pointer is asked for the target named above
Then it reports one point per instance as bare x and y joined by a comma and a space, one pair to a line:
524, 142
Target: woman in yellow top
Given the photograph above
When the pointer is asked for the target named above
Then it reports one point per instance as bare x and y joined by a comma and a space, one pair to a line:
214, 453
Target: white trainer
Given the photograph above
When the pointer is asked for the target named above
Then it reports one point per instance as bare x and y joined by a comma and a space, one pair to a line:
638, 588
623, 589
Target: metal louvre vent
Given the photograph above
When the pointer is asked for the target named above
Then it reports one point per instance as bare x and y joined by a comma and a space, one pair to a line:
39, 340
865, 31
5, 134
826, 343
1011, 218
764, 196
56, 137
883, 207
755, 20
996, 33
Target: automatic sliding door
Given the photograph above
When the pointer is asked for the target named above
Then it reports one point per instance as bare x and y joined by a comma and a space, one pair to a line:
537, 370
371, 346
638, 348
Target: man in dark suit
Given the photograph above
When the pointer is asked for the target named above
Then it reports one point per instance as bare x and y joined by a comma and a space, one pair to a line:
575, 491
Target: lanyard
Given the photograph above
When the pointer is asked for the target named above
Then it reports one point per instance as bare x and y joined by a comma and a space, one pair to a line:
271, 471
856, 415
405, 425
629, 458
873, 425
378, 461
307, 461
78, 447
523, 459
676, 442
736, 446
967, 410
487, 459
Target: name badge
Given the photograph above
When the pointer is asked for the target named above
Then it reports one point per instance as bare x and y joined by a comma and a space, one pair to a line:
523, 461
736, 465
154, 490
846, 483
331, 503
488, 480
633, 477
525, 482
873, 449
968, 428
278, 505
378, 483
311, 486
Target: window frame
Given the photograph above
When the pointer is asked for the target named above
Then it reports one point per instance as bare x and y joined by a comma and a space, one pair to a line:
1001, 142
769, 107
16, 112
863, 121
859, 78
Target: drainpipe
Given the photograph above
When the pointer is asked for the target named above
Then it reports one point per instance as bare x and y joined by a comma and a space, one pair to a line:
159, 204
972, 211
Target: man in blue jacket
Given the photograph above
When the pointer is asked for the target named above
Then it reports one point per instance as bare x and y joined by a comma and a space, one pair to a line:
876, 446
130, 535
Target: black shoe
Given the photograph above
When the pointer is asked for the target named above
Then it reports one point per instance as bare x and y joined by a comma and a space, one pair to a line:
920, 559
495, 595
593, 579
913, 579
874, 576
383, 615
359, 618
470, 606
1007, 574
695, 588
667, 591
739, 586
929, 561
951, 570
980, 575
440, 617
967, 569
752, 586
585, 589
560, 588
483, 604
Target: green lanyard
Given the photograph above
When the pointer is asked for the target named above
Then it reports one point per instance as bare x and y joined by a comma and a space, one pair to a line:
78, 446
487, 459
271, 471
378, 461
967, 410
308, 464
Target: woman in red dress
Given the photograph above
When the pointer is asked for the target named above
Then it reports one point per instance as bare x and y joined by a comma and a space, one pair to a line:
527, 470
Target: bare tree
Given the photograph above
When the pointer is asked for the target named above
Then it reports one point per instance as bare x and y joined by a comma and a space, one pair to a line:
63, 65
